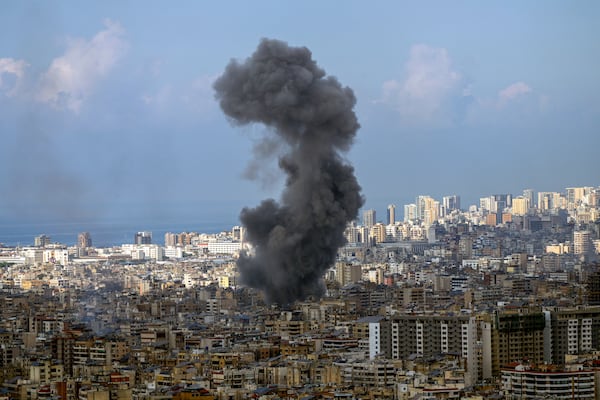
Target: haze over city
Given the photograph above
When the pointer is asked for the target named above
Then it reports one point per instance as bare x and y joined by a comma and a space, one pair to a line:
108, 112
311, 200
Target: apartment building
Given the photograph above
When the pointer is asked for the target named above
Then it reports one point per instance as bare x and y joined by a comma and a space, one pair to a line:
520, 381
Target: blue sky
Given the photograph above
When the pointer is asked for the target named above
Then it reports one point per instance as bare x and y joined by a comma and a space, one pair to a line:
107, 110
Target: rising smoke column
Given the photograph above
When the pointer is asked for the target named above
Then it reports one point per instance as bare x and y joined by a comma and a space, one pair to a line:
295, 240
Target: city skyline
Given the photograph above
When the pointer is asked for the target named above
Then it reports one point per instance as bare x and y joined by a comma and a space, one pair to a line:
108, 111
499, 301
424, 209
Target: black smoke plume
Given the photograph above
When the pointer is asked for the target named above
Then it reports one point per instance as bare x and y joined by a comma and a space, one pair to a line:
296, 240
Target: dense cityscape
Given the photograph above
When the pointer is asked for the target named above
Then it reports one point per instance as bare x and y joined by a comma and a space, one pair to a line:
267, 200
497, 300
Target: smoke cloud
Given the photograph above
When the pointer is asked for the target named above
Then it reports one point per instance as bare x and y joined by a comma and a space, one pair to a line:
296, 239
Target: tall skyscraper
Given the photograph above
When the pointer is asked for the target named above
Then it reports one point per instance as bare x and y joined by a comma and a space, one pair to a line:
506, 198
487, 204
547, 201
391, 214
574, 196
520, 205
495, 203
582, 243
143, 238
352, 234
428, 209
170, 239
410, 212
544, 201
421, 202
237, 233
84, 240
528, 194
451, 202
594, 198
41, 241
377, 233
369, 218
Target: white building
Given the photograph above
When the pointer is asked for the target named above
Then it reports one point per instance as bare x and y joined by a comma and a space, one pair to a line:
173, 252
224, 247
144, 252
56, 256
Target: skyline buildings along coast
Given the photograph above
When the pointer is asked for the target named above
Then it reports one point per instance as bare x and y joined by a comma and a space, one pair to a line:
488, 302
299, 200
425, 209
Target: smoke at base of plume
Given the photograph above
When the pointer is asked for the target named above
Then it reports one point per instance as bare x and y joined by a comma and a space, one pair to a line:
295, 240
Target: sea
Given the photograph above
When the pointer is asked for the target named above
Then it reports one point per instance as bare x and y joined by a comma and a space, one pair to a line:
103, 234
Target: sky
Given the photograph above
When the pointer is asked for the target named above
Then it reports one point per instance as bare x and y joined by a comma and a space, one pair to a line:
107, 109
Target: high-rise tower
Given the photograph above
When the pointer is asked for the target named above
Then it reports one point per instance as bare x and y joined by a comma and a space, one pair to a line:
369, 218
391, 214
529, 195
84, 240
143, 238
41, 241
520, 205
582, 243
410, 212
451, 202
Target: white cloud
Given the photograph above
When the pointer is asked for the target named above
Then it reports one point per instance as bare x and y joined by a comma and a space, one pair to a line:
513, 103
513, 91
429, 82
71, 78
16, 68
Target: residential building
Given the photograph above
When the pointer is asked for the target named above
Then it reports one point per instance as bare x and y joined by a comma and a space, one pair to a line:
391, 214
518, 335
143, 238
369, 218
574, 331
522, 381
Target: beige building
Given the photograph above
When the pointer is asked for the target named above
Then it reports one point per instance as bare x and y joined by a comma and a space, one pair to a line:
582, 243
520, 205
378, 233
346, 273
518, 335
